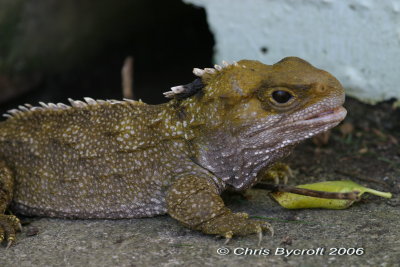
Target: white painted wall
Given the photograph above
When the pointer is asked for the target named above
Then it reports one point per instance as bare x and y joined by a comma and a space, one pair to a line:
358, 41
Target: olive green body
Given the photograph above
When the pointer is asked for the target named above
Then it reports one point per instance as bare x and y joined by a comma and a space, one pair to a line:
125, 159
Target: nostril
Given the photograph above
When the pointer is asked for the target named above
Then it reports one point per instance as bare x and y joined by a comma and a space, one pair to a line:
320, 88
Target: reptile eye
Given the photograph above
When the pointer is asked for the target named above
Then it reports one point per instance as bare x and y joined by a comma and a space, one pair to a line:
281, 96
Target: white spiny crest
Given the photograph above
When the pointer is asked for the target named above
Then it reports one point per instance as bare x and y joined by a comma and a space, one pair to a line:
200, 72
174, 91
130, 100
23, 108
77, 103
63, 106
210, 70
90, 101
43, 104
225, 64
52, 106
113, 101
178, 89
36, 108
169, 94
27, 108
217, 67
14, 111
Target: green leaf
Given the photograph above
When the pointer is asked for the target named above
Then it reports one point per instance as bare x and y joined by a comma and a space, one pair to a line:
295, 201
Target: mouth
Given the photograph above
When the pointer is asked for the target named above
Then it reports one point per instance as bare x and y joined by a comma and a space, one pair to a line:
334, 115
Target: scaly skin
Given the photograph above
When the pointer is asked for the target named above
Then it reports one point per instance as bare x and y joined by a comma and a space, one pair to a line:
127, 159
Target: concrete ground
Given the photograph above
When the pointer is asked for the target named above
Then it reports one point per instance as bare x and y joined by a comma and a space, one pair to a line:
370, 227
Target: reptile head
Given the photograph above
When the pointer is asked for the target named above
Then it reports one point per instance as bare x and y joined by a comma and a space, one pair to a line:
253, 114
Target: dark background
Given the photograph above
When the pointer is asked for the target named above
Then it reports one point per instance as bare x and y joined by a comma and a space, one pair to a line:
165, 38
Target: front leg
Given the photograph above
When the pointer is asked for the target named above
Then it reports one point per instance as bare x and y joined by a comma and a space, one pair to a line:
195, 202
9, 224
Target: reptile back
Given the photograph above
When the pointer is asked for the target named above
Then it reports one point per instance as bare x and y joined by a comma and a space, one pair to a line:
98, 161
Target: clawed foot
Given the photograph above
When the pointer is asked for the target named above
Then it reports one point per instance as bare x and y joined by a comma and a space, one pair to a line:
231, 224
278, 171
9, 225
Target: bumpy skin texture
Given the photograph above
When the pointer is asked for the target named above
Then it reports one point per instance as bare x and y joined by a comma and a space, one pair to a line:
127, 159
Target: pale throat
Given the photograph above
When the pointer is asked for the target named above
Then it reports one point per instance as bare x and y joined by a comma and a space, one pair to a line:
237, 159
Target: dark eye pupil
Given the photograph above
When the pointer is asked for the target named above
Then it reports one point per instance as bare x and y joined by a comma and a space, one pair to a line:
281, 96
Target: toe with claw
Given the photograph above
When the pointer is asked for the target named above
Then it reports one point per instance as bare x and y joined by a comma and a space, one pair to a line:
233, 224
9, 225
278, 171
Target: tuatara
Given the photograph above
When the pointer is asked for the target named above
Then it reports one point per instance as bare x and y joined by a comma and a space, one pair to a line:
127, 159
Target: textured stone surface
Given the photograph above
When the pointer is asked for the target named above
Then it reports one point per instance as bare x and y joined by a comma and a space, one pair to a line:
161, 241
